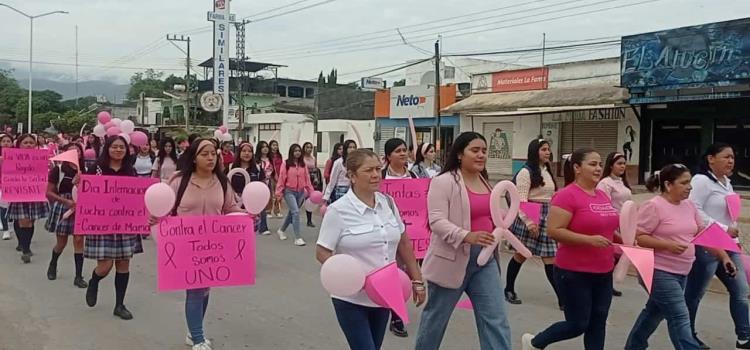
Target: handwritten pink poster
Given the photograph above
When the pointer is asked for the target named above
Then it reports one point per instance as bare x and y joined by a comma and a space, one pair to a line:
112, 204
25, 174
205, 251
410, 196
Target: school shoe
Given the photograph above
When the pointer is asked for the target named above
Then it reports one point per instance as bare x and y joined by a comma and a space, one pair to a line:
6, 236
26, 257
122, 312
310, 224
266, 233
616, 292
397, 328
282, 235
202, 346
189, 340
80, 282
526, 342
92, 292
742, 344
299, 242
52, 272
701, 344
512, 298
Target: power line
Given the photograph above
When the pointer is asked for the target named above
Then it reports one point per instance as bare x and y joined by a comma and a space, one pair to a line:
90, 65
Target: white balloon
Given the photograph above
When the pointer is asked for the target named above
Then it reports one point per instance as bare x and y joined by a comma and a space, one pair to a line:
126, 137
100, 131
117, 121
310, 206
127, 126
217, 135
226, 137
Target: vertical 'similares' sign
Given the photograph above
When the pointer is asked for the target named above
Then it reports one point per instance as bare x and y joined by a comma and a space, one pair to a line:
221, 18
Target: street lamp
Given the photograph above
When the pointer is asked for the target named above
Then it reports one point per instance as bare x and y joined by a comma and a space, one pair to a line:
31, 45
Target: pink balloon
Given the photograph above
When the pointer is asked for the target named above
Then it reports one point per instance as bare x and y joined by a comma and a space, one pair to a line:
89, 154
108, 125
104, 117
255, 197
113, 131
316, 197
503, 219
342, 275
223, 129
138, 138
159, 199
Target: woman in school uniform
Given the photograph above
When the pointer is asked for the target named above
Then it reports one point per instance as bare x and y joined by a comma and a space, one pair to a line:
339, 184
6, 141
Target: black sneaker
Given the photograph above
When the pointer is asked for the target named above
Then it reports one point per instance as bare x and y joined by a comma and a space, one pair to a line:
80, 282
310, 224
701, 344
742, 344
511, 297
122, 312
616, 292
52, 272
91, 294
18, 248
26, 257
397, 328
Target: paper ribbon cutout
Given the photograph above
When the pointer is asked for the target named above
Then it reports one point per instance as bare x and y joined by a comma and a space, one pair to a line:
169, 248
715, 237
502, 220
465, 304
241, 171
356, 133
80, 133
533, 211
643, 260
70, 156
383, 287
734, 206
413, 134
628, 224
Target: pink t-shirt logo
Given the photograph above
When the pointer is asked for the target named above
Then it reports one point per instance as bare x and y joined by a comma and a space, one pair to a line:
603, 209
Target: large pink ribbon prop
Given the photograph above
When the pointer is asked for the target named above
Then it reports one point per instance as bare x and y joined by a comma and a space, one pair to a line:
356, 133
643, 260
715, 237
734, 206
413, 130
628, 224
502, 220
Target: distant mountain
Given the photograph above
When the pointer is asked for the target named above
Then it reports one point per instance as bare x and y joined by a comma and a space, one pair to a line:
114, 92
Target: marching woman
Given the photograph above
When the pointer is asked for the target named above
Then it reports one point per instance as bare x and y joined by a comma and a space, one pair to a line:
366, 225
166, 161
6, 141
711, 186
316, 178
338, 150
614, 184
227, 156
339, 184
60, 194
667, 223
23, 214
246, 160
461, 222
112, 249
583, 221
143, 162
425, 166
535, 184
277, 160
201, 188
294, 186
263, 158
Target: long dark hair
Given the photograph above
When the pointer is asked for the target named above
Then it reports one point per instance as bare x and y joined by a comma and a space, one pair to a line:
187, 168
271, 153
704, 168
335, 154
534, 164
25, 136
4, 136
291, 161
346, 148
312, 153
576, 158
612, 158
96, 144
669, 173
419, 156
391, 145
104, 162
452, 163
238, 161
163, 153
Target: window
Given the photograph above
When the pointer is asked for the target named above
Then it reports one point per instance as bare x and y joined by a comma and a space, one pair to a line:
450, 72
296, 92
269, 127
281, 90
309, 93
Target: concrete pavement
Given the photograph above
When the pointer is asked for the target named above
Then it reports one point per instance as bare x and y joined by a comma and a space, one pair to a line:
287, 309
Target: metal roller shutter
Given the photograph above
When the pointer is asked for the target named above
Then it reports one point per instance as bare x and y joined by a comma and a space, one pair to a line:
599, 135
386, 133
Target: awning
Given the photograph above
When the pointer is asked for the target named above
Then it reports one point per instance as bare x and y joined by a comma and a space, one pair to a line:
578, 97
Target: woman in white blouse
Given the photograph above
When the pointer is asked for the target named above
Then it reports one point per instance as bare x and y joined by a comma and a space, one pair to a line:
339, 184
366, 225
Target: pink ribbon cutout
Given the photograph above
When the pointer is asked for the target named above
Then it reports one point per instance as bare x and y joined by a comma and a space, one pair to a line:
628, 223
503, 219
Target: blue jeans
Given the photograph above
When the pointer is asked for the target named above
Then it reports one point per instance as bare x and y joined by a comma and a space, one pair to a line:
262, 224
587, 297
293, 201
667, 300
196, 303
483, 286
364, 327
704, 268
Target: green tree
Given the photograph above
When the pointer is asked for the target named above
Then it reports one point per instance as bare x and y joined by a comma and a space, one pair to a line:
149, 83
173, 80
333, 78
81, 103
321, 79
10, 93
43, 102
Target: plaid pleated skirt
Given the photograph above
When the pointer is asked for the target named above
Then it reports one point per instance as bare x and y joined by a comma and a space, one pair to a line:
338, 192
27, 210
542, 245
112, 247
56, 223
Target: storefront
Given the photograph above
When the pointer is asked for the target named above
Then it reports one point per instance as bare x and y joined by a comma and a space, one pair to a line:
693, 85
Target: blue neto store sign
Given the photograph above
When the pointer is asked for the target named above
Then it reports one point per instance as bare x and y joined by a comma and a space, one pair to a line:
715, 54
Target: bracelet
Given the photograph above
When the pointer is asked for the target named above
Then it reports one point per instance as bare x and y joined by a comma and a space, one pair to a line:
418, 282
418, 288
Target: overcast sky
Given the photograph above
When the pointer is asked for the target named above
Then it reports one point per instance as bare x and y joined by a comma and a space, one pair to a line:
129, 35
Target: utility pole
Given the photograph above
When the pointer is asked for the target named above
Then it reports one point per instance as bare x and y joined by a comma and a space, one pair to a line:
187, 75
437, 137
241, 57
76, 65
544, 46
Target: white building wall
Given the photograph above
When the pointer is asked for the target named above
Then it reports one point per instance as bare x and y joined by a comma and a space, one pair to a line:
424, 73
361, 131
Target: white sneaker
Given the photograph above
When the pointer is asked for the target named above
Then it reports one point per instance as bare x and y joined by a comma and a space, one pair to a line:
266, 233
299, 242
6, 235
526, 342
282, 235
189, 341
202, 346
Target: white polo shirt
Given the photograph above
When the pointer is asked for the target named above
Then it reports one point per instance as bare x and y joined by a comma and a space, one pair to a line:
370, 235
710, 198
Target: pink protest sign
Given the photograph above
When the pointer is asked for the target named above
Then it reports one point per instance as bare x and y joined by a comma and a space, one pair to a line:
410, 196
205, 251
112, 204
715, 237
734, 206
532, 210
25, 174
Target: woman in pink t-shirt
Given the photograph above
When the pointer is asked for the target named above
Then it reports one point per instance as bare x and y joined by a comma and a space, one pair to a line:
667, 224
583, 221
